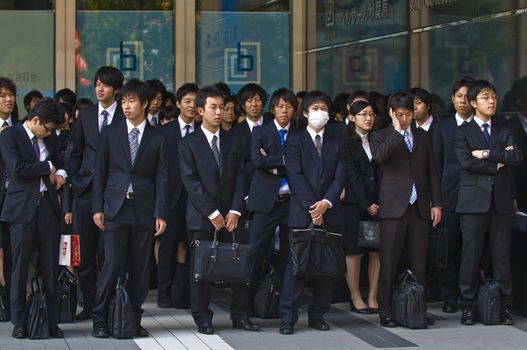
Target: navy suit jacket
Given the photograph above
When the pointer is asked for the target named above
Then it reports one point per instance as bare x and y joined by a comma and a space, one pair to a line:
480, 178
25, 173
313, 178
520, 172
148, 174
81, 165
208, 189
265, 184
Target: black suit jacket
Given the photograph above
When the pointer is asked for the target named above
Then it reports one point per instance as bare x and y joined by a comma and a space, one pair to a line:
520, 171
312, 178
362, 182
81, 166
148, 174
265, 184
207, 189
3, 167
480, 177
401, 168
25, 172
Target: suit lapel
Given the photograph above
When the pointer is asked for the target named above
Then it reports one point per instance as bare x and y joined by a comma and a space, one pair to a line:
494, 135
205, 149
25, 140
145, 139
310, 145
122, 135
474, 127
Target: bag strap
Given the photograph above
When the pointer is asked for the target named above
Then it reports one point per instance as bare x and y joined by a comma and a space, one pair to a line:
410, 276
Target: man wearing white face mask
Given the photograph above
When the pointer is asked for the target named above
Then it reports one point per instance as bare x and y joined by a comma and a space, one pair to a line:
316, 174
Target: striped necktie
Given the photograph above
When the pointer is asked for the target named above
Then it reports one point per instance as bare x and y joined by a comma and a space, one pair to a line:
413, 195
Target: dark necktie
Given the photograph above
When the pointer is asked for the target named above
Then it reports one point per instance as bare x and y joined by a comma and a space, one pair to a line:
464, 122
216, 151
413, 195
134, 144
153, 122
318, 145
486, 134
282, 133
6, 173
36, 148
105, 116
187, 130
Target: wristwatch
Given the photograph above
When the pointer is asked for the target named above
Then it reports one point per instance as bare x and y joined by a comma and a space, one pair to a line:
485, 154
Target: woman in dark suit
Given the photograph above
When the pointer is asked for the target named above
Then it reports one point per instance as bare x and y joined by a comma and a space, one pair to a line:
360, 204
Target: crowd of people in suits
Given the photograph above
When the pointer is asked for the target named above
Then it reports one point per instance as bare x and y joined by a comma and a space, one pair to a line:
143, 173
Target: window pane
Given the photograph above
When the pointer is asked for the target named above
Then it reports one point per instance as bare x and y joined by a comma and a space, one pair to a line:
128, 5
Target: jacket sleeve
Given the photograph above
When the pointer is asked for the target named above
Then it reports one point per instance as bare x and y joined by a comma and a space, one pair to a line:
101, 173
160, 210
75, 160
354, 178
433, 176
382, 144
295, 173
510, 158
238, 202
268, 162
339, 179
464, 155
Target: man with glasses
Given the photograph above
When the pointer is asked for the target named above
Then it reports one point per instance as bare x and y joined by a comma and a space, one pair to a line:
32, 209
485, 201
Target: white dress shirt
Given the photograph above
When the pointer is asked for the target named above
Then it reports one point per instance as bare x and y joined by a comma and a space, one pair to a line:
259, 122
426, 124
365, 144
111, 112
182, 125
481, 122
460, 120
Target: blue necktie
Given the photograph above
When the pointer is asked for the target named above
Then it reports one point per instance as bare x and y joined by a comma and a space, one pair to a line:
413, 195
187, 130
36, 148
216, 151
486, 134
105, 116
282, 133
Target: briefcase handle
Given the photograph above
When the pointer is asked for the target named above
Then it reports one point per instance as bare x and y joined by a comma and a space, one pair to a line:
408, 275
215, 245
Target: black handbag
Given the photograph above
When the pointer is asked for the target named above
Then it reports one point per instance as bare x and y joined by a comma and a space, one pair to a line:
408, 302
121, 316
438, 247
4, 304
37, 317
180, 289
68, 296
369, 234
489, 302
267, 297
222, 262
317, 254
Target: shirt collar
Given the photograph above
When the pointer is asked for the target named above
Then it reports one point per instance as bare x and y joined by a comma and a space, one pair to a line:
29, 133
209, 134
9, 121
481, 122
313, 134
278, 127
363, 137
460, 120
140, 127
182, 124
110, 110
426, 124
251, 124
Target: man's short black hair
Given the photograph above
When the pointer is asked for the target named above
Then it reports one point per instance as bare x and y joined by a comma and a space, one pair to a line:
48, 111
206, 92
185, 89
156, 86
137, 88
465, 81
66, 95
31, 95
315, 96
81, 103
168, 113
8, 84
169, 96
477, 86
300, 94
355, 94
284, 94
224, 88
423, 95
401, 99
250, 90
109, 76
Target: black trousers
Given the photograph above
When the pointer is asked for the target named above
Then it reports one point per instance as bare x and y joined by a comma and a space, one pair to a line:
91, 257
262, 232
175, 232
449, 276
293, 287
43, 231
408, 233
128, 248
200, 292
5, 244
475, 228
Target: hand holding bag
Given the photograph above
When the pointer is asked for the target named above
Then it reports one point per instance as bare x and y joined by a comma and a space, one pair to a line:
121, 315
222, 262
317, 254
369, 234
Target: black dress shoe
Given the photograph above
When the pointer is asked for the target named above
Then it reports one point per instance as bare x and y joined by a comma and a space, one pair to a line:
364, 311
506, 317
140, 332
450, 308
164, 303
206, 328
55, 332
246, 325
468, 317
85, 314
19, 332
286, 329
320, 325
388, 322
100, 332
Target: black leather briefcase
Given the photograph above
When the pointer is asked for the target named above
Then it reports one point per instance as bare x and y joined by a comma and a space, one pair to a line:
267, 297
121, 316
489, 302
408, 302
68, 296
37, 318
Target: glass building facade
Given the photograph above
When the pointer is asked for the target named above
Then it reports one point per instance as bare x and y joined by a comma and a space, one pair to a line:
330, 45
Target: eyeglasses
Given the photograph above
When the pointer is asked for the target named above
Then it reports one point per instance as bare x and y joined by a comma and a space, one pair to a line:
487, 97
364, 115
48, 129
287, 106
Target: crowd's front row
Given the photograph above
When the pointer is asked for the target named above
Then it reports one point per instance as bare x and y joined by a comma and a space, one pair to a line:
298, 177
